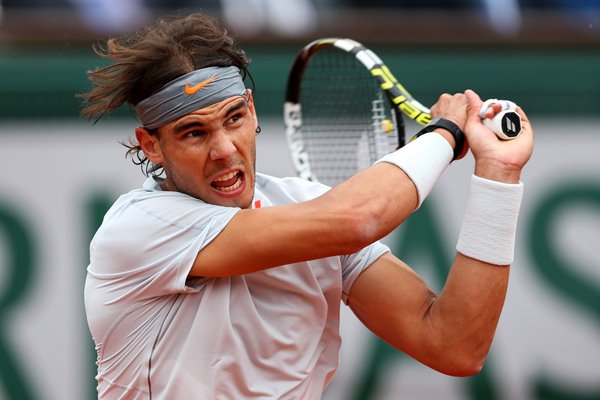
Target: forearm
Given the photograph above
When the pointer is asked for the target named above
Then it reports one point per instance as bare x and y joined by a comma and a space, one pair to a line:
342, 221
462, 321
379, 199
467, 312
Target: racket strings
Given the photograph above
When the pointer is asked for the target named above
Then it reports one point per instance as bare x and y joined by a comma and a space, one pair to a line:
346, 118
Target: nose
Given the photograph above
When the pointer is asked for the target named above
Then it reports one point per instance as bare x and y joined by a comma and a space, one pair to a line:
222, 146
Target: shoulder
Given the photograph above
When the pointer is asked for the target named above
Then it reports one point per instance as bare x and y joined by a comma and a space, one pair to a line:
150, 205
152, 221
296, 188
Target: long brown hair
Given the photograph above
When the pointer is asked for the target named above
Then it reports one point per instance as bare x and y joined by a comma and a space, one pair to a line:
146, 60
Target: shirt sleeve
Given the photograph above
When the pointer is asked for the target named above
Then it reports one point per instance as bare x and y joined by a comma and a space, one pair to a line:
147, 248
354, 264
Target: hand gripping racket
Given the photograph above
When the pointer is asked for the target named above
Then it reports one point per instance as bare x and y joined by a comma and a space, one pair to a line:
507, 123
344, 110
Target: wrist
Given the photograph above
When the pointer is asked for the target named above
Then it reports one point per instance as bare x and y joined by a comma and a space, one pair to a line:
490, 222
423, 160
497, 171
446, 127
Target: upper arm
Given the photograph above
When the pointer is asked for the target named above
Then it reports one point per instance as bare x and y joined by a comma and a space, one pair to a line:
393, 301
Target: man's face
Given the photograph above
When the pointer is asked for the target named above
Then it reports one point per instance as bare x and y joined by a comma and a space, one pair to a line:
210, 153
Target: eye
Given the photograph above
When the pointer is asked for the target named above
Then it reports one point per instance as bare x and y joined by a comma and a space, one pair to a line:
195, 133
235, 118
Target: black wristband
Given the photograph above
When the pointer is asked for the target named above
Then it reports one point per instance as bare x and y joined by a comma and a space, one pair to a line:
455, 131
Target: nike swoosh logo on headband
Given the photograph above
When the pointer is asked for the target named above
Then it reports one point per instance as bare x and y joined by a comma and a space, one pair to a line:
193, 89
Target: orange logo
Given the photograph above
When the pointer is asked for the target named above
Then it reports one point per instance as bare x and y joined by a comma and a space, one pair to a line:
193, 89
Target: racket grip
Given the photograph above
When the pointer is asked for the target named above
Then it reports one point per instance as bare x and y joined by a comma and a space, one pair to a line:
507, 123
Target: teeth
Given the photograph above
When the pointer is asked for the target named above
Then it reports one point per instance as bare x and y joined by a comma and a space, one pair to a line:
232, 187
220, 182
226, 177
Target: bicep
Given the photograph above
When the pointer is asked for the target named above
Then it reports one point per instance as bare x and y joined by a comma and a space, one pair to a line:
392, 301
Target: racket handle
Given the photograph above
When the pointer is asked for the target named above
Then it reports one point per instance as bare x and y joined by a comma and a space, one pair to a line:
507, 123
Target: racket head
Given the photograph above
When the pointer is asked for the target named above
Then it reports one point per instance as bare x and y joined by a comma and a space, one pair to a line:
338, 118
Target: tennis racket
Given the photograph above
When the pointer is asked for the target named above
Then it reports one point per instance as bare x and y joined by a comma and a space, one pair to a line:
344, 110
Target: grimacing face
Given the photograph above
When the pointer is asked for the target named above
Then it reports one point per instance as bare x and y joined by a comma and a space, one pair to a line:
210, 153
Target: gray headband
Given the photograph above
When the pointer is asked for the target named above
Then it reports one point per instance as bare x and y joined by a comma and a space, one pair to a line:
190, 92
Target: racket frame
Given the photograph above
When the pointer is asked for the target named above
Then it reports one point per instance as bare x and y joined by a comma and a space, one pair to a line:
401, 101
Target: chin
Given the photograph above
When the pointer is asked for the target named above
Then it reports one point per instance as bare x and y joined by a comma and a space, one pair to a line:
242, 201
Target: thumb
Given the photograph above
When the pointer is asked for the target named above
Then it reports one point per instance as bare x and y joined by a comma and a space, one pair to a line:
474, 104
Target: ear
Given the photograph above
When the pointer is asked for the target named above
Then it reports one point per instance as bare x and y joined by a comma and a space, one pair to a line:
149, 144
250, 101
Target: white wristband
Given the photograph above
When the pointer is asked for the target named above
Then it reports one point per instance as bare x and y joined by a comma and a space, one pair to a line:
423, 160
490, 224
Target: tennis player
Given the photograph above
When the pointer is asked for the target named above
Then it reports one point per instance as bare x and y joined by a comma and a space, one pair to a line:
213, 281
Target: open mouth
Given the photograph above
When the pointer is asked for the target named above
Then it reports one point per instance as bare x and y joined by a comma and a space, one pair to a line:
228, 182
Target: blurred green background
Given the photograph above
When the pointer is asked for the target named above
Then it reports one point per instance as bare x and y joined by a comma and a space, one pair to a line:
548, 62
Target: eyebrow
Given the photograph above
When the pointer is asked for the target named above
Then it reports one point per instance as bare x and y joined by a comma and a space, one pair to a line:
232, 109
236, 106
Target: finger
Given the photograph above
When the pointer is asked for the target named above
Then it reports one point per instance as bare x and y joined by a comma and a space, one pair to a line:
526, 125
435, 108
473, 105
520, 111
492, 110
